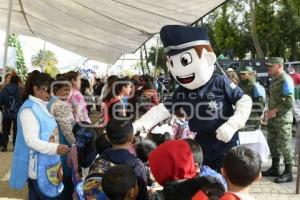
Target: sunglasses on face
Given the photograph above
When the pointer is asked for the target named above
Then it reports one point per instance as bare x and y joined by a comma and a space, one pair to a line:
45, 89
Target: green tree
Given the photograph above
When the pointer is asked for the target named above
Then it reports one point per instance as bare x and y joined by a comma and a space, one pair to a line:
229, 30
268, 28
226, 33
22, 71
262, 27
253, 28
161, 59
289, 22
47, 61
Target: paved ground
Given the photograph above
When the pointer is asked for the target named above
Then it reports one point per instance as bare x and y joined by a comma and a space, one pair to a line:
264, 190
5, 191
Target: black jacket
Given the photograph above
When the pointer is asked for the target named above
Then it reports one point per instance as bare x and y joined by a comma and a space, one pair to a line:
14, 91
185, 190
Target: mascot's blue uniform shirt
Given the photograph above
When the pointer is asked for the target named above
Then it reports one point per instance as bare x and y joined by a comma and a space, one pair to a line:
208, 106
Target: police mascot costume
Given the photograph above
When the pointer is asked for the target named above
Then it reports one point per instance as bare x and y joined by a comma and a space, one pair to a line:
216, 107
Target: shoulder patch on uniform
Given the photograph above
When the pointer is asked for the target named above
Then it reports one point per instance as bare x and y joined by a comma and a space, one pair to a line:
259, 91
233, 85
288, 86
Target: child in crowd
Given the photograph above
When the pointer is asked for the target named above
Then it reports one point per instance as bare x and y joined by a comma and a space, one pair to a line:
120, 134
181, 128
120, 183
102, 143
173, 167
142, 99
203, 170
158, 138
143, 149
242, 167
76, 99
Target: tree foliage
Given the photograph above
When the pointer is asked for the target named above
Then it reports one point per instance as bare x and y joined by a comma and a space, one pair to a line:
161, 59
47, 61
277, 28
270, 28
22, 71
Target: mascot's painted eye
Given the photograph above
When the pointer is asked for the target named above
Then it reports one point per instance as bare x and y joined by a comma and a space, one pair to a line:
186, 59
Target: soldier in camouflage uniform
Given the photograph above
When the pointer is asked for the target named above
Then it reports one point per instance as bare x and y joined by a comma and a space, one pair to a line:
280, 118
258, 95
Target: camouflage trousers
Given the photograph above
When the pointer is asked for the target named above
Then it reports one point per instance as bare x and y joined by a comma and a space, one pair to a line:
280, 141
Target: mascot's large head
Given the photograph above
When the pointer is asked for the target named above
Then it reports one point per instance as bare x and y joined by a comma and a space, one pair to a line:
190, 57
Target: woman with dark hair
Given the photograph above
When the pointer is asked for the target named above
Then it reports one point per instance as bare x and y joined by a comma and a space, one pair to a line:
76, 98
7, 78
142, 99
28, 87
106, 88
36, 157
103, 109
88, 94
10, 99
114, 106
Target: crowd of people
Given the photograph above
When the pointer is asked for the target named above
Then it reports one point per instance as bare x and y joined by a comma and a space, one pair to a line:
162, 163
147, 140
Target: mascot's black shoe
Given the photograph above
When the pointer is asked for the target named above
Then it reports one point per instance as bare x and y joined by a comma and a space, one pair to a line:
274, 170
286, 176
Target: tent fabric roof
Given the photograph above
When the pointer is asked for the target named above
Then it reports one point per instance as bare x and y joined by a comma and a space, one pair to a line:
100, 29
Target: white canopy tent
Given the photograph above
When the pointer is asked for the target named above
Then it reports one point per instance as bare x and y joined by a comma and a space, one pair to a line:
102, 30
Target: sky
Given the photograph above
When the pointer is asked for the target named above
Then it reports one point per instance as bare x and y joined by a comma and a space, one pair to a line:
67, 60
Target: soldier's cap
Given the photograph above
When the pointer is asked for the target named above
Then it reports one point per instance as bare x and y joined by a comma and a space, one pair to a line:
245, 69
274, 60
177, 38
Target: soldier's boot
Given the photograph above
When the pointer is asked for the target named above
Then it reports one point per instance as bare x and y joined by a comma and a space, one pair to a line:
274, 170
286, 176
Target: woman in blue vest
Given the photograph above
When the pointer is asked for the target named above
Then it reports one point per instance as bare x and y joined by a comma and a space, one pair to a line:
36, 157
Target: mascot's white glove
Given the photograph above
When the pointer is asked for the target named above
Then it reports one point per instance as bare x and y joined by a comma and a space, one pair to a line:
153, 116
241, 114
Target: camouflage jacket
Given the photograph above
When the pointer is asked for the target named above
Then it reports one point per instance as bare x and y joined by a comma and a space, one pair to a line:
282, 97
258, 96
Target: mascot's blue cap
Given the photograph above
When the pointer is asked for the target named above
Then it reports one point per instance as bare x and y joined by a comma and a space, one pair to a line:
177, 38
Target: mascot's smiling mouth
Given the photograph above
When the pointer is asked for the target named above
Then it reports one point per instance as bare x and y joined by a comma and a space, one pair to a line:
186, 79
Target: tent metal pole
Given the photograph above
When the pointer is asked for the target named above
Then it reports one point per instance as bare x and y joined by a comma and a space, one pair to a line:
123, 58
156, 56
298, 167
8, 22
43, 58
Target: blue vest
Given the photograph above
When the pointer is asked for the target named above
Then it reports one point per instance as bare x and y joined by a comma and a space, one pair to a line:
62, 140
47, 165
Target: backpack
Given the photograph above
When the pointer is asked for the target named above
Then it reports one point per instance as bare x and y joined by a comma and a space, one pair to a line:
186, 190
86, 150
91, 186
12, 106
